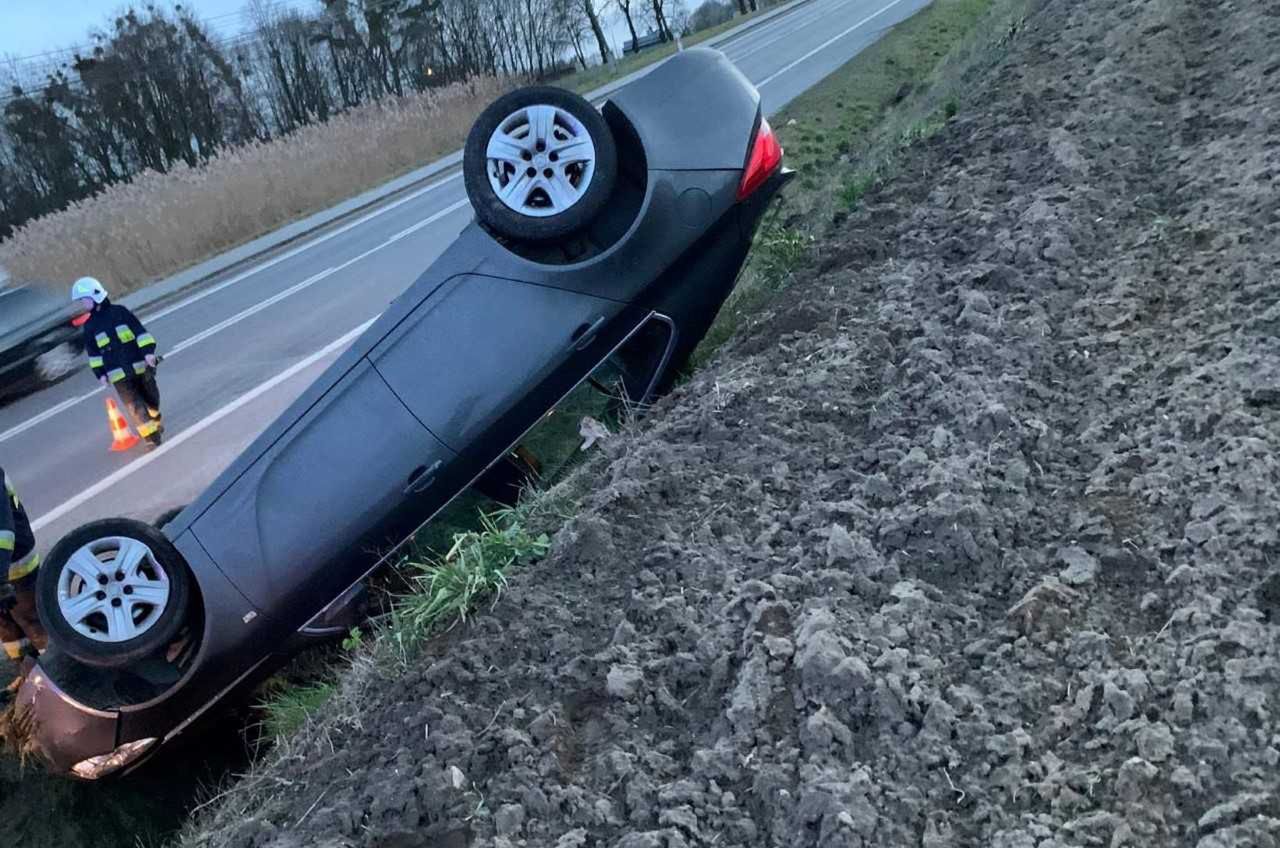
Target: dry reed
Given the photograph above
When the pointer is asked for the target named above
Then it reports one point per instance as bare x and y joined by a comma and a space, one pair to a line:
135, 233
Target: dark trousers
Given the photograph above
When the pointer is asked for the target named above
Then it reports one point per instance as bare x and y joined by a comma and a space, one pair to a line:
141, 397
19, 622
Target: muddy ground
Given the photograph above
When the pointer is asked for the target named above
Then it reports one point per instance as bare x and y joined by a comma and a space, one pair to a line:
972, 542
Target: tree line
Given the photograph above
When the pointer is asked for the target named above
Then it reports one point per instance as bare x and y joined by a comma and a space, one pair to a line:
157, 88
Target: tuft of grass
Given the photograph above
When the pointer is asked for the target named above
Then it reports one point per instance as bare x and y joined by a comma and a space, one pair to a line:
778, 252
920, 129
857, 186
449, 588
288, 708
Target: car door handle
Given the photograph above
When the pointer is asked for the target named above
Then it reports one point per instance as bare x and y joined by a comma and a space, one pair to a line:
422, 478
585, 334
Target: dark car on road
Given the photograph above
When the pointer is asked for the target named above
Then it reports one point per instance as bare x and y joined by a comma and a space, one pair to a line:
38, 343
604, 243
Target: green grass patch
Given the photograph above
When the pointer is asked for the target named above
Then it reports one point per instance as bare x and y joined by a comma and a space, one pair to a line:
779, 252
857, 186
860, 96
288, 706
443, 590
449, 588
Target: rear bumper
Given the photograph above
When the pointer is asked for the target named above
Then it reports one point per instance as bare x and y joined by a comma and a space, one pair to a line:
73, 739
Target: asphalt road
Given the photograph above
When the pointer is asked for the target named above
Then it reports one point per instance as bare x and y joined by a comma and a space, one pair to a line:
238, 352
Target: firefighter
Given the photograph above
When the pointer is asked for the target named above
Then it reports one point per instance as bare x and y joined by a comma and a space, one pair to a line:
20, 631
122, 354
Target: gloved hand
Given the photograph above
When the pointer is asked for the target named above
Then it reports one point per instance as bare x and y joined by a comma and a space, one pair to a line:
151, 360
103, 380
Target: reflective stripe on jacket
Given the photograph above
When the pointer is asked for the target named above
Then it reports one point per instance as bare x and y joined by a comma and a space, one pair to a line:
17, 543
116, 342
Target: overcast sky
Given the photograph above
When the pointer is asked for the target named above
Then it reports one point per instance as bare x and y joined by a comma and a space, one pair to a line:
44, 30
31, 27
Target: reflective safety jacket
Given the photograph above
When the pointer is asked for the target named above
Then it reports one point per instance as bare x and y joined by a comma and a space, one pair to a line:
17, 542
116, 342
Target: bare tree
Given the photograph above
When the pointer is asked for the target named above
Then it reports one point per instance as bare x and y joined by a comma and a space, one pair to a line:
589, 9
156, 89
660, 19
625, 6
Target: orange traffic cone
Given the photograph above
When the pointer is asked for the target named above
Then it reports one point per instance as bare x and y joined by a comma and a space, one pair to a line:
122, 437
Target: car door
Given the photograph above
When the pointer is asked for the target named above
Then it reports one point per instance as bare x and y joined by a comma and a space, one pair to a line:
349, 480
482, 358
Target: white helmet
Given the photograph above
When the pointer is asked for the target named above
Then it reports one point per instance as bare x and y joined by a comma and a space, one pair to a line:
88, 287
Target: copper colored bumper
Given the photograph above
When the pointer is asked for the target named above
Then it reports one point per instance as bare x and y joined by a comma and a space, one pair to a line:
74, 739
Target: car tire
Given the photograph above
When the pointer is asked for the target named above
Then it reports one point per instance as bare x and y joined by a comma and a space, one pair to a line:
531, 211
167, 516
58, 362
83, 619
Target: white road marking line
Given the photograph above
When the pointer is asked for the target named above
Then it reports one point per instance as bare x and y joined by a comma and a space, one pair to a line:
299, 249
824, 45
46, 415
312, 280
195, 430
240, 316
800, 21
252, 310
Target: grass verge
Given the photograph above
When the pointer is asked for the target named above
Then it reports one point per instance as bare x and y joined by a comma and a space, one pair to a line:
844, 136
287, 709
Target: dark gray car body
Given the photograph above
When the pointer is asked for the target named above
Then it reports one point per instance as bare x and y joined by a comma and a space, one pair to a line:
33, 322
439, 388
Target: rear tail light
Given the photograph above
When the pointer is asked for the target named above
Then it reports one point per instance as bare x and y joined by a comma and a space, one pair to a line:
765, 159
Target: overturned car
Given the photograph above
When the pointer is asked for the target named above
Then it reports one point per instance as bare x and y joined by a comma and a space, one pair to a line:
604, 243
40, 342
